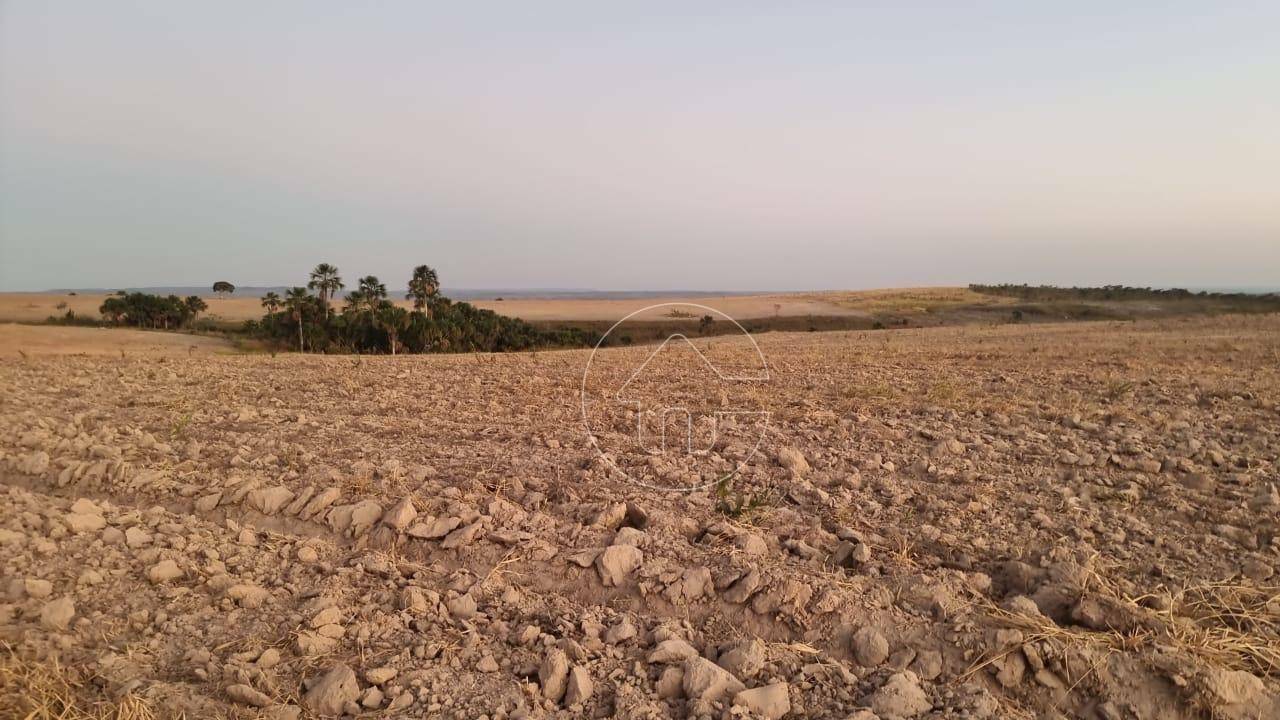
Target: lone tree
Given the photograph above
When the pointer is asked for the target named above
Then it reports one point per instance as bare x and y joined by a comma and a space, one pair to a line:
423, 287
326, 282
223, 288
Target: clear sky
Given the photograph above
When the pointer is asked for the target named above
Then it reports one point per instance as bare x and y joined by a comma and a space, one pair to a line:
643, 145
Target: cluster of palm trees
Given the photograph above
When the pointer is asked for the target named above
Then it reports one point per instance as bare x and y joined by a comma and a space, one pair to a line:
366, 306
370, 323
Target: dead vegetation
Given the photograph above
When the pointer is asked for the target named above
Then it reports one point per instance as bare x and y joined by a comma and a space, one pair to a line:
48, 690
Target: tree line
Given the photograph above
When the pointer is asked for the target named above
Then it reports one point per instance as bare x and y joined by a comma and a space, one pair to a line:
145, 310
1267, 301
368, 322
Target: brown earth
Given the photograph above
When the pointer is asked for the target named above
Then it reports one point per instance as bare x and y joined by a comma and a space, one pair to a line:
37, 307
986, 522
15, 340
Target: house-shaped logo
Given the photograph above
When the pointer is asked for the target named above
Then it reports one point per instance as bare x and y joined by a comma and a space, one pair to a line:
681, 413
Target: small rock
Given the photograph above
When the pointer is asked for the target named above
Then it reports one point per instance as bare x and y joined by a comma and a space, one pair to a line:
248, 596
704, 680
870, 648
436, 530
330, 694
1257, 570
163, 572
400, 515
745, 659
136, 537
622, 631
372, 698
268, 659
672, 650
611, 516
1235, 687
462, 607
85, 506
246, 695
927, 665
900, 697
768, 701
670, 683
208, 502
580, 687
328, 616
463, 536
57, 614
84, 522
617, 562
37, 588
793, 460
268, 501
379, 675
553, 674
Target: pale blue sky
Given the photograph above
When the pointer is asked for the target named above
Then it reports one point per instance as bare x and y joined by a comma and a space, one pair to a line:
735, 145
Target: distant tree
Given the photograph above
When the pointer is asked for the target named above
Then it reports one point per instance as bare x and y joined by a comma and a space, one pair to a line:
372, 291
393, 321
355, 302
271, 302
424, 286
296, 301
326, 282
224, 288
113, 309
195, 305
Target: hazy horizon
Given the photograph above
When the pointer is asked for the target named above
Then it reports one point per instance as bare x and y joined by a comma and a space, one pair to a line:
726, 146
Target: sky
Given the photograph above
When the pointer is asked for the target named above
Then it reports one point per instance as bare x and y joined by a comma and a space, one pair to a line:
640, 146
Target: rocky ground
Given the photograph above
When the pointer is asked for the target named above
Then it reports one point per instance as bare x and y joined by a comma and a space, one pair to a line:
982, 522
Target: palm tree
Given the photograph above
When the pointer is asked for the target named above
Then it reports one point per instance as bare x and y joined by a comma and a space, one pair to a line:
271, 302
423, 286
372, 291
355, 301
195, 305
392, 320
296, 300
326, 283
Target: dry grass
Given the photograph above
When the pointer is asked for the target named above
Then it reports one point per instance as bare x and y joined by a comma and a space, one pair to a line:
1225, 624
35, 341
40, 690
1229, 624
926, 299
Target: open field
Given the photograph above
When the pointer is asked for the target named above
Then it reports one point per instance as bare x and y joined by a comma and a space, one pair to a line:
1050, 520
16, 339
36, 307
